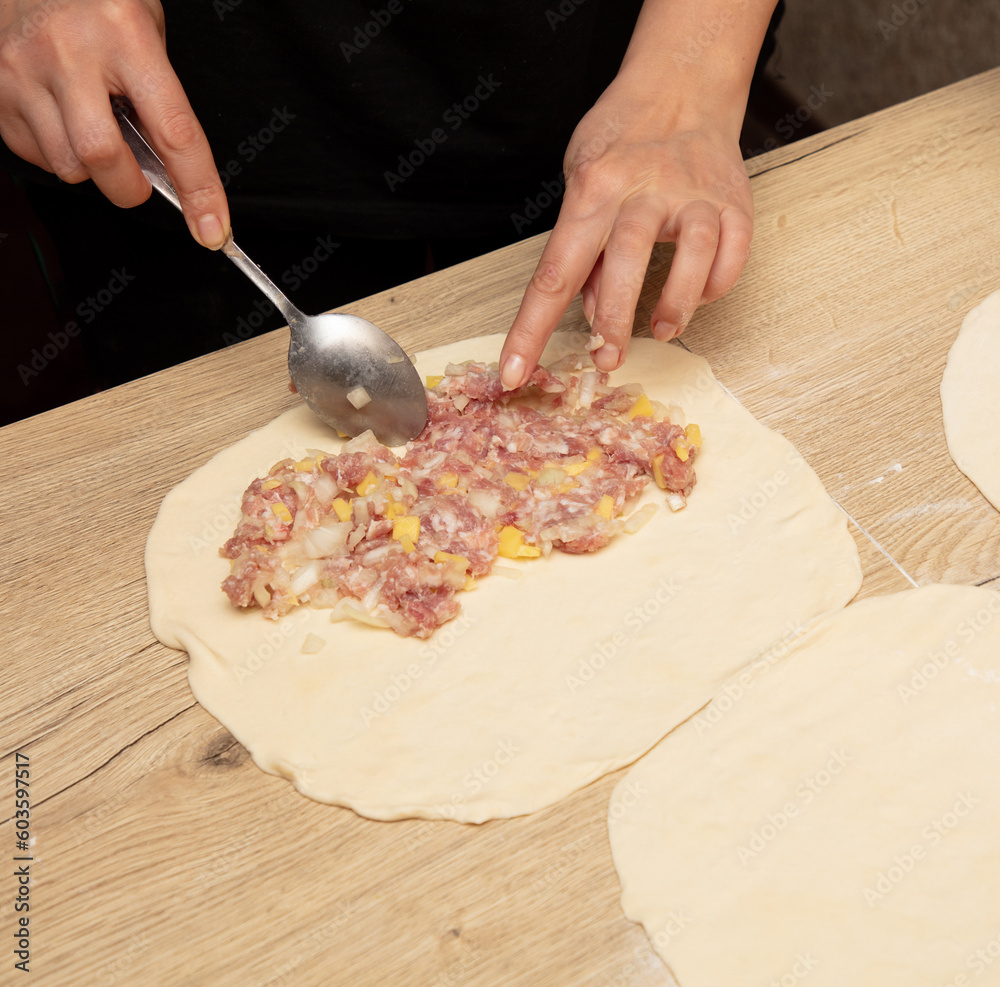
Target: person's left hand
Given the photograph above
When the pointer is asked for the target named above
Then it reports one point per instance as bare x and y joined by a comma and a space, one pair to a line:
637, 175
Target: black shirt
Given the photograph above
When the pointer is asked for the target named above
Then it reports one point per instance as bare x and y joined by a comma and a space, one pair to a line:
392, 118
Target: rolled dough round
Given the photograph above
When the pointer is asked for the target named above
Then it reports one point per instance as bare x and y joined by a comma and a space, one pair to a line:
970, 398
832, 817
544, 682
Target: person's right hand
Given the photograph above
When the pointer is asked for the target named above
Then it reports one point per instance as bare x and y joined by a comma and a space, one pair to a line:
61, 60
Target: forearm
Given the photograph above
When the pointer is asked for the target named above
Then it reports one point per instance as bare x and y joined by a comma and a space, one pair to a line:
695, 59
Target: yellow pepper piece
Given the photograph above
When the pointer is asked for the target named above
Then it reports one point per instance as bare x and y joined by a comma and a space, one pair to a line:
566, 486
281, 512
470, 583
682, 450
658, 473
512, 544
433, 381
342, 508
693, 433
407, 544
367, 483
270, 484
395, 510
519, 481
642, 407
446, 557
304, 466
594, 455
575, 469
448, 480
606, 507
407, 527
511, 540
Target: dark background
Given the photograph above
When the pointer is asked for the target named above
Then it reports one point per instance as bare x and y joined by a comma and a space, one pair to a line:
94, 296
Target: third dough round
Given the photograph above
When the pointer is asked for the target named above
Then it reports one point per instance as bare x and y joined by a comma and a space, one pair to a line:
832, 817
970, 398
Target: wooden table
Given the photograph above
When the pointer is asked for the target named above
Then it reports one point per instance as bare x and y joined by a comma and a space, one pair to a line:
164, 856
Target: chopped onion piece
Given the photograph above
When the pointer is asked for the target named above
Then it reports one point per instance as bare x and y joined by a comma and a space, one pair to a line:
507, 572
365, 442
675, 501
596, 342
485, 501
260, 593
455, 370
348, 609
325, 488
361, 514
588, 388
324, 541
305, 576
640, 519
551, 475
399, 358
359, 397
461, 402
313, 645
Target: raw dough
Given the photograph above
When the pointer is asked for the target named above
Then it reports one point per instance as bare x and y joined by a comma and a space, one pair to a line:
543, 683
970, 398
833, 816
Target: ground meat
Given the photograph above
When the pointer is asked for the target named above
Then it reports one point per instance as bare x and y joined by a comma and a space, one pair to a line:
553, 465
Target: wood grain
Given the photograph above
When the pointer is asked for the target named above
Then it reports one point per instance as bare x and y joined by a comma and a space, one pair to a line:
164, 856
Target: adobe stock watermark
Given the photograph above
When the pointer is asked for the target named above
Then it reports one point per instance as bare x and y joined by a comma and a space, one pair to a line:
292, 278
765, 491
481, 776
612, 646
938, 659
365, 34
562, 13
32, 23
564, 863
737, 688
903, 864
87, 311
255, 144
804, 793
899, 14
802, 965
275, 637
914, 160
453, 117
787, 126
677, 920
535, 205
978, 961
400, 683
118, 970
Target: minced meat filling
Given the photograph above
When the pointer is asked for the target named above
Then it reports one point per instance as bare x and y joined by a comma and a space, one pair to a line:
393, 540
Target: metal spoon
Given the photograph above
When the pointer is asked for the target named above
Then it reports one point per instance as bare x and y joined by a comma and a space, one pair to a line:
349, 372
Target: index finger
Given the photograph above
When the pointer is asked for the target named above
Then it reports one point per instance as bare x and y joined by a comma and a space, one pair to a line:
177, 137
567, 260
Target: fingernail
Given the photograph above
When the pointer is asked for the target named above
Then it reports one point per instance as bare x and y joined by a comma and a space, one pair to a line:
589, 304
210, 232
512, 372
607, 357
664, 331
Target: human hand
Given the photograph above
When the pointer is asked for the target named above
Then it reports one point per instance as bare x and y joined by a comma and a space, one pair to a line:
60, 60
635, 176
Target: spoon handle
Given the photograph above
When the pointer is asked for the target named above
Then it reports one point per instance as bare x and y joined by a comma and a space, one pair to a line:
154, 169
